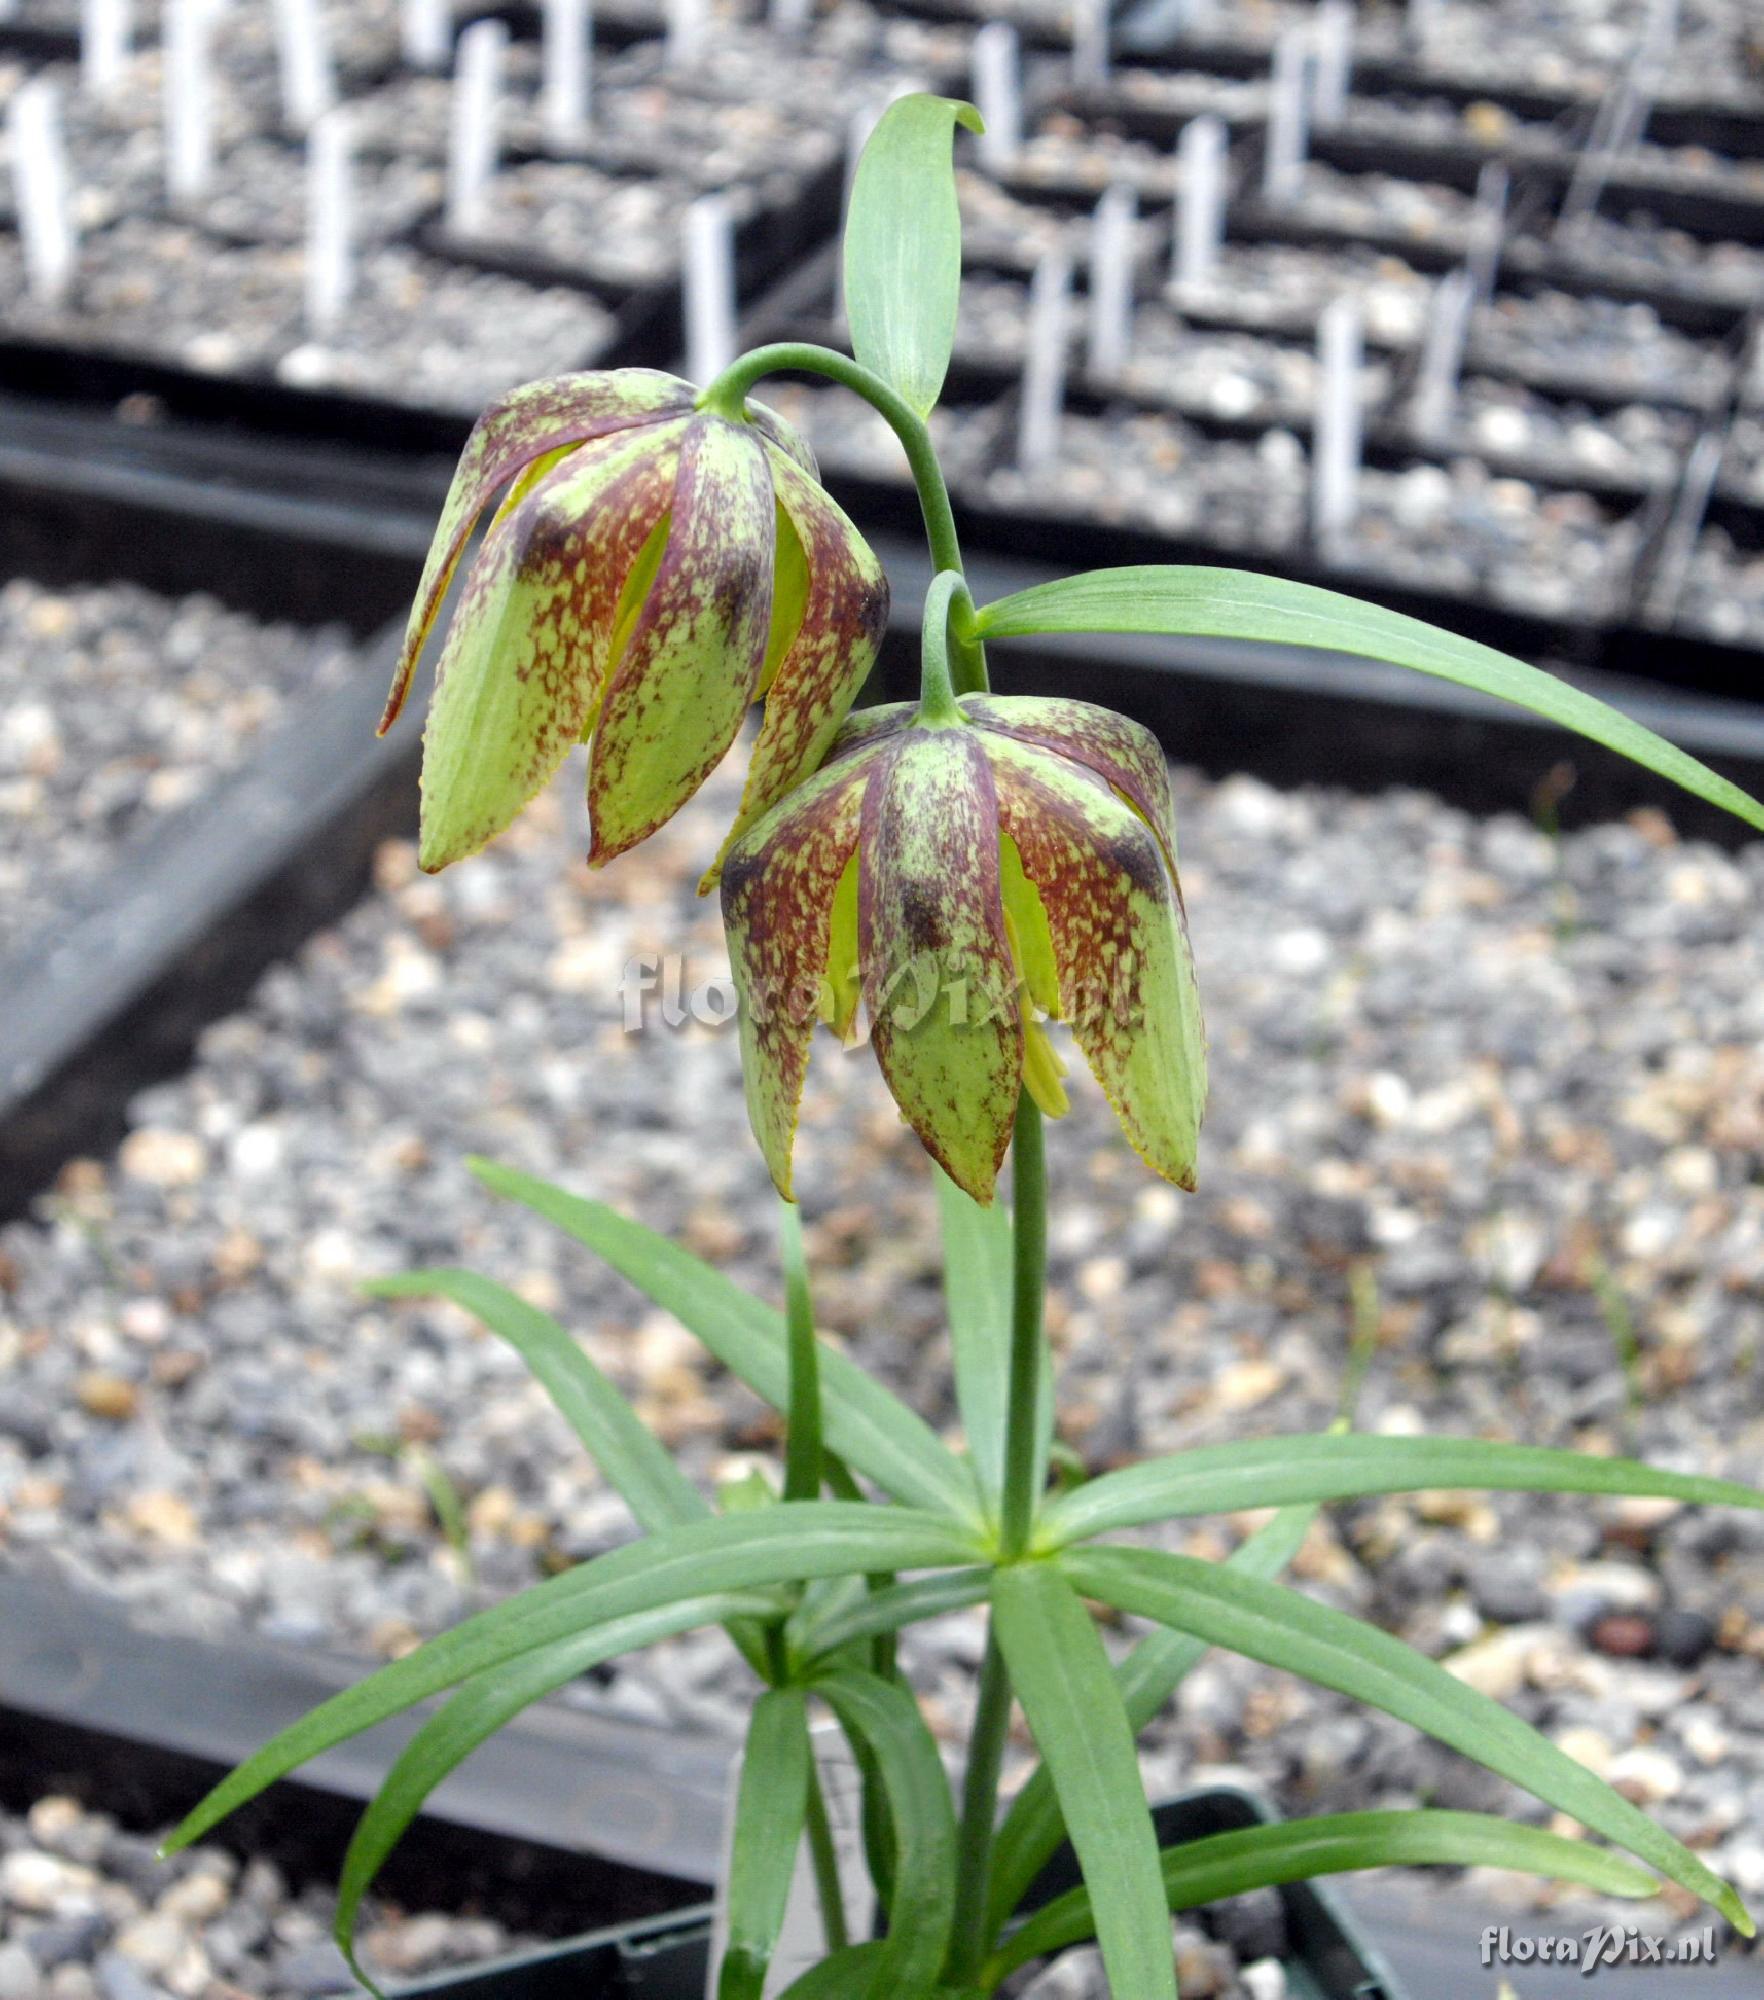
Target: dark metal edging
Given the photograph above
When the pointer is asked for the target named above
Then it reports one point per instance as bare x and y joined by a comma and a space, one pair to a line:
557, 1777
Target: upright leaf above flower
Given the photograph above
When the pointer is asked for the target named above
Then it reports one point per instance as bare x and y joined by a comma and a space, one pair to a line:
652, 567
903, 246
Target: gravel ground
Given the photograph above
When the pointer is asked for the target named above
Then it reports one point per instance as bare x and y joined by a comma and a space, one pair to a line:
1638, 250
1505, 424
1458, 529
1382, 206
1282, 288
87, 1912
117, 708
1516, 1084
1551, 337
1143, 469
1575, 47
1723, 594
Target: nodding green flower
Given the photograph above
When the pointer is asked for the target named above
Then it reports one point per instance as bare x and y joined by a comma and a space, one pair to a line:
652, 568
964, 873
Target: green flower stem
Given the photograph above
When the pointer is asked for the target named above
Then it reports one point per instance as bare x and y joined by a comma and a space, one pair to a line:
727, 397
992, 1714
1029, 1289
937, 701
803, 1465
992, 1719
825, 1859
802, 1443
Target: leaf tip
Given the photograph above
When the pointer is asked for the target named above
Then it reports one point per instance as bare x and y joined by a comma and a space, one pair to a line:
394, 1285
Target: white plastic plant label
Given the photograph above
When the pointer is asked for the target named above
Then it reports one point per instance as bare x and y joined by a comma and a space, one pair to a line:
803, 1943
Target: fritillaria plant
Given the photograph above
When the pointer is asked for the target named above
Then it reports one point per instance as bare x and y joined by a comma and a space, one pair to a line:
963, 871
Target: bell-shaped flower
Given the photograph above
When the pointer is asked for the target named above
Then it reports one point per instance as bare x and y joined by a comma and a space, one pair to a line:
964, 873
651, 569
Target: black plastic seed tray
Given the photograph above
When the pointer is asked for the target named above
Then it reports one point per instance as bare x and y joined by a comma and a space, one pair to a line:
1054, 532
784, 215
1151, 34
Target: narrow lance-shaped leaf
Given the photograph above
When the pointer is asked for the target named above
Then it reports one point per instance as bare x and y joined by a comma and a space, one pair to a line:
740, 1552
478, 1711
629, 1456
1234, 604
869, 1428
1150, 1674
1284, 1471
884, 1719
771, 1806
1283, 1628
840, 1976
1259, 1857
903, 246
1074, 1710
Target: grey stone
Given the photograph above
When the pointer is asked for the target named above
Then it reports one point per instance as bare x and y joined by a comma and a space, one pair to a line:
26, 1420
119, 1980
312, 1970
1683, 1636
1508, 1586
19, 1973
69, 1939
1074, 1975
135, 1860
1253, 1925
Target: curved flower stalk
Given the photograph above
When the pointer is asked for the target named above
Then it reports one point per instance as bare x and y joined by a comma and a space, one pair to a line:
962, 868
652, 567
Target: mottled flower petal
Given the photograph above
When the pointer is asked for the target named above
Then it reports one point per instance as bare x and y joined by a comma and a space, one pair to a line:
938, 979
790, 596
527, 653
683, 684
870, 725
523, 426
780, 893
784, 435
1123, 753
1120, 946
832, 654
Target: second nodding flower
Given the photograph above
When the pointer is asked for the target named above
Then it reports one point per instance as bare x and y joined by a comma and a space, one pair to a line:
964, 869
